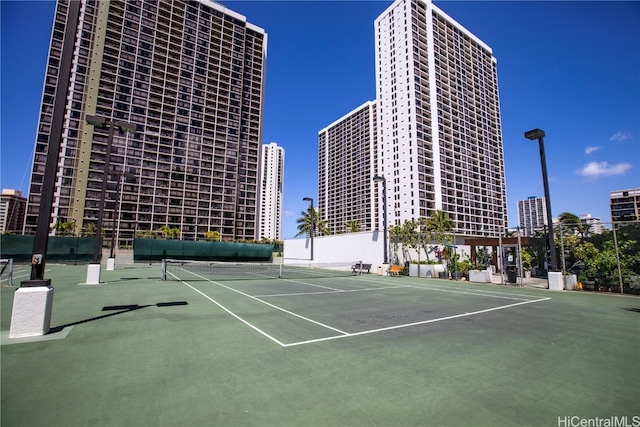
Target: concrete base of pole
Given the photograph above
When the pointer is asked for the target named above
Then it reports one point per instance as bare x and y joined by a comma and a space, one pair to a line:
31, 315
556, 281
93, 274
111, 264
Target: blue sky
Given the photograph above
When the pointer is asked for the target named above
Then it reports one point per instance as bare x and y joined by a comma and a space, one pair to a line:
569, 68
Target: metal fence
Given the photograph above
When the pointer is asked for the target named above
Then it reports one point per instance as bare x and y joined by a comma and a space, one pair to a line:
604, 257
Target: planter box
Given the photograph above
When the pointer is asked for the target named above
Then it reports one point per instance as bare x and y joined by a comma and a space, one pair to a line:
556, 281
480, 276
570, 282
419, 270
426, 270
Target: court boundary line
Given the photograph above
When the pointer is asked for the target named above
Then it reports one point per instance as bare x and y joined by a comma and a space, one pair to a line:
407, 325
468, 292
255, 328
260, 301
344, 334
337, 291
443, 288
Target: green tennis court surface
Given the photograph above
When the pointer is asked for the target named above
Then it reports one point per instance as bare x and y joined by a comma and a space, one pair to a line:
340, 351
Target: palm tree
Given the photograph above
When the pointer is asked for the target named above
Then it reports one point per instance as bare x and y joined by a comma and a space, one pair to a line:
89, 230
169, 233
570, 223
353, 226
164, 230
440, 226
309, 217
440, 229
65, 228
174, 233
146, 234
212, 236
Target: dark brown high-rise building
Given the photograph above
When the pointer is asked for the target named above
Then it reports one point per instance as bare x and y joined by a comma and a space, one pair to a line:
190, 76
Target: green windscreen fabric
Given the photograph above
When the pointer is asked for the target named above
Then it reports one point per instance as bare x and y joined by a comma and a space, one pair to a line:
151, 249
20, 248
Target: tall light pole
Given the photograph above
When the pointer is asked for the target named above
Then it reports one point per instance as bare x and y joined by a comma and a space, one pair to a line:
121, 175
539, 135
102, 122
383, 180
312, 213
33, 301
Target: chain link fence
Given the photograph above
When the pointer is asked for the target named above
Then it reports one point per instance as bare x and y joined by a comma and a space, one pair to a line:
604, 258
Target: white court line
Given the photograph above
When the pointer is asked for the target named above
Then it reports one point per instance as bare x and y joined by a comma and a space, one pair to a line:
339, 291
313, 284
22, 273
265, 303
407, 325
260, 331
346, 334
465, 292
483, 292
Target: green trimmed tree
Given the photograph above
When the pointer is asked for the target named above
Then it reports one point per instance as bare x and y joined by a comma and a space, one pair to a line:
353, 226
212, 236
66, 229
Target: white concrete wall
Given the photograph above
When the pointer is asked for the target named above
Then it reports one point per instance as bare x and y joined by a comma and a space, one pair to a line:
367, 247
350, 247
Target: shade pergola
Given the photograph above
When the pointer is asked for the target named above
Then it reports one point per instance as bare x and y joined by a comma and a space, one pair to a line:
494, 242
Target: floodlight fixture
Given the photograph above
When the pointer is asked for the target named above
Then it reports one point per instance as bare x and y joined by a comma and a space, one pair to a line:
539, 135
534, 134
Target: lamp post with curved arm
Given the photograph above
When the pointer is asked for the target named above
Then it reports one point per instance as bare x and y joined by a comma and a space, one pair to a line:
93, 273
539, 135
114, 229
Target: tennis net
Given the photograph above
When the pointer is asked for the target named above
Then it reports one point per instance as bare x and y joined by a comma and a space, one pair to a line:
6, 271
214, 270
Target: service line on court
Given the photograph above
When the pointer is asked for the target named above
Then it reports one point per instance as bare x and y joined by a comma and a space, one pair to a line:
260, 331
469, 292
407, 325
261, 301
344, 334
338, 291
482, 293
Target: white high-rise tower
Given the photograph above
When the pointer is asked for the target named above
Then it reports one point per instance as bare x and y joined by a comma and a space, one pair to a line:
272, 162
438, 118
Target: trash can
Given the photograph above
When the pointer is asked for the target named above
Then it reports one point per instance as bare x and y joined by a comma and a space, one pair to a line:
379, 270
512, 275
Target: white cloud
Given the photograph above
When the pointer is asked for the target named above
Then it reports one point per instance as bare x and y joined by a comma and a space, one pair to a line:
620, 136
289, 213
590, 150
598, 169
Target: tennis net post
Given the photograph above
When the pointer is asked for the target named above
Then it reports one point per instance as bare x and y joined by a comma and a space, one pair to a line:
7, 270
